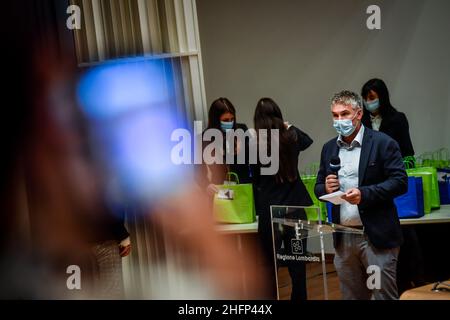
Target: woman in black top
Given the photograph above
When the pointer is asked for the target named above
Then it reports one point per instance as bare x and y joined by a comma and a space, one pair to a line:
283, 188
380, 115
222, 116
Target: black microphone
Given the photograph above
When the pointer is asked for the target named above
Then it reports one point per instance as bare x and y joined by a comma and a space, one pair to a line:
335, 165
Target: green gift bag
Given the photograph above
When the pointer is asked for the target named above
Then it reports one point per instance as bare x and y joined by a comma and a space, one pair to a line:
430, 186
444, 158
310, 181
234, 203
311, 212
439, 159
428, 160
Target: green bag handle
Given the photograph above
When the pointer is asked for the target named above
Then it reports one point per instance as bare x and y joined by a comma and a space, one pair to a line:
315, 168
419, 161
410, 162
444, 154
427, 155
436, 156
435, 159
303, 173
307, 170
232, 174
311, 169
424, 157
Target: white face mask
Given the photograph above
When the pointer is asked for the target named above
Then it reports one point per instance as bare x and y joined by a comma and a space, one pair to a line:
226, 125
345, 127
372, 106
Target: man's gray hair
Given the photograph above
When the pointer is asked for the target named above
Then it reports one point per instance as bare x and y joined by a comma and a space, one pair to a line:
347, 98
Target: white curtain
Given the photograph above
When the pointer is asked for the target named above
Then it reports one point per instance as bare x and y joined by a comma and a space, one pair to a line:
151, 29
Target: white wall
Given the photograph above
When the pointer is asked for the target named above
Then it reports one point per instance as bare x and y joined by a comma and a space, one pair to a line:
300, 52
447, 125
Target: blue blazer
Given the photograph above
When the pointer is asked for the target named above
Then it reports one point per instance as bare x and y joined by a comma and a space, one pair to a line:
382, 177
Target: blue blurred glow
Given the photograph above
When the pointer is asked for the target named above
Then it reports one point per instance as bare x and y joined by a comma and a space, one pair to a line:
117, 87
129, 103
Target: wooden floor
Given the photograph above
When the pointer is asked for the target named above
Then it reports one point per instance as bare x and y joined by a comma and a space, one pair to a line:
313, 272
314, 282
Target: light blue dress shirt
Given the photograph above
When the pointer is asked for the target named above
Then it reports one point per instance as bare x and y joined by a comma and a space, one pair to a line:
349, 175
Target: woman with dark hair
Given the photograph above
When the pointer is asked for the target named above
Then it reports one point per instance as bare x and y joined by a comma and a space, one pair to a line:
222, 116
380, 115
285, 188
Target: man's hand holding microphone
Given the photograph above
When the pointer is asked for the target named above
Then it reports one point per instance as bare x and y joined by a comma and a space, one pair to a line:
353, 195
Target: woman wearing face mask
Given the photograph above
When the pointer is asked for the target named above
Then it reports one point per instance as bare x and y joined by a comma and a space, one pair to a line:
222, 116
284, 188
380, 115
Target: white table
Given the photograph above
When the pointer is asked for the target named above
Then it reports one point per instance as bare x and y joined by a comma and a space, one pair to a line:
238, 228
441, 215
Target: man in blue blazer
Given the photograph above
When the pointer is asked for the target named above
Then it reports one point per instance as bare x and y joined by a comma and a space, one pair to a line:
372, 174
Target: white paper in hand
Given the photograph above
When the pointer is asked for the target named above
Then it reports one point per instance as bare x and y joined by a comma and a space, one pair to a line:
334, 198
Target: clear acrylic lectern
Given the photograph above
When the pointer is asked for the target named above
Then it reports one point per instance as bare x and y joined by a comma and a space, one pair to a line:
303, 251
